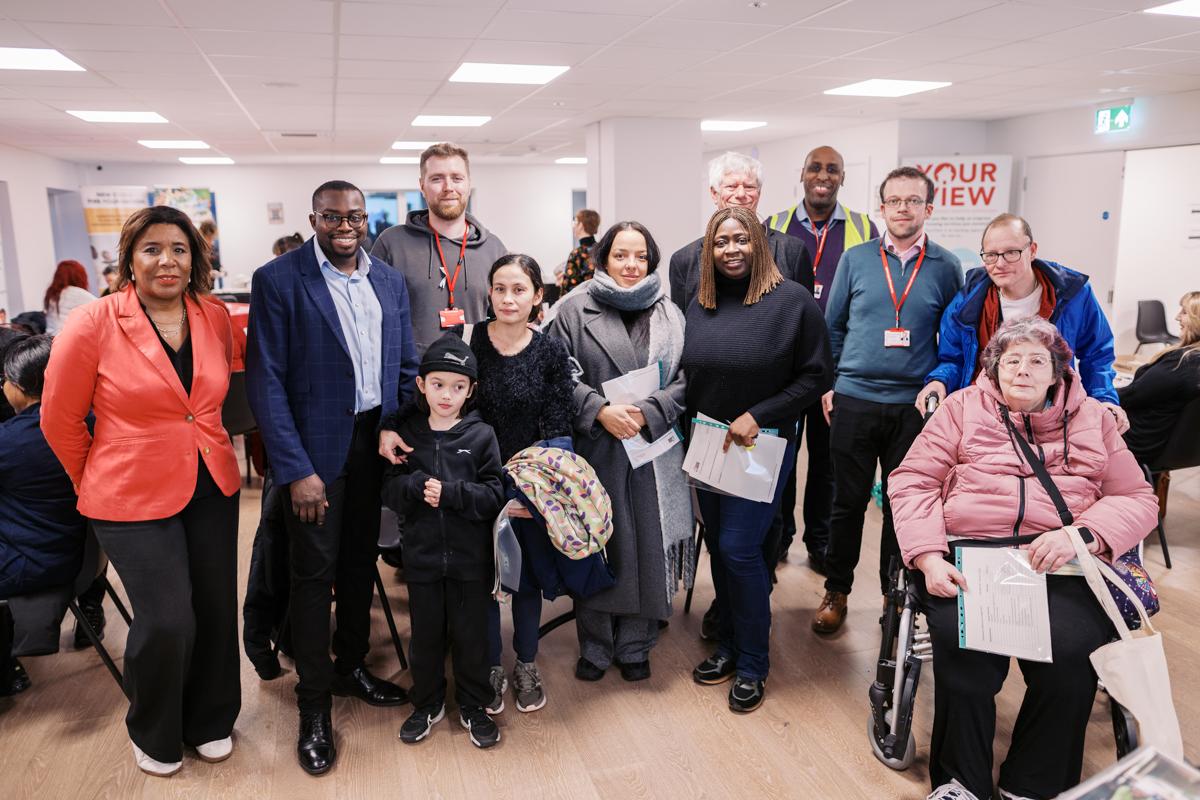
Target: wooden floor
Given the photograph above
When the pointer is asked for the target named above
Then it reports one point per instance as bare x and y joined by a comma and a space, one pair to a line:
663, 738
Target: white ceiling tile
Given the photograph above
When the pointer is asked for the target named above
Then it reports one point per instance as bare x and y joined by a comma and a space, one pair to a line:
887, 15
640, 8
253, 43
653, 58
369, 19
111, 12
121, 38
13, 34
402, 48
1115, 60
294, 70
563, 27
776, 13
1016, 21
1126, 31
822, 42
157, 80
502, 51
712, 37
273, 16
104, 61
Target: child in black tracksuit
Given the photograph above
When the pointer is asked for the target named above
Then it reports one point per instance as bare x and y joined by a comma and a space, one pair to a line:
450, 491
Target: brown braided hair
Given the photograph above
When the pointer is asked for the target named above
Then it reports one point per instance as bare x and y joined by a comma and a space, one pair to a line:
764, 274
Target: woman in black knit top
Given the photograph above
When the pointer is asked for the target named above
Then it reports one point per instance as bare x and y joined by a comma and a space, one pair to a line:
756, 354
525, 390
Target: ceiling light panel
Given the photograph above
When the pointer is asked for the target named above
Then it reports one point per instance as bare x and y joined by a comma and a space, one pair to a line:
36, 58
571, 160
448, 121
1183, 8
206, 160
881, 87
400, 160
527, 74
119, 116
174, 144
729, 125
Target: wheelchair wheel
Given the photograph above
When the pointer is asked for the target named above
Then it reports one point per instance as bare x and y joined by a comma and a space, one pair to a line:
910, 747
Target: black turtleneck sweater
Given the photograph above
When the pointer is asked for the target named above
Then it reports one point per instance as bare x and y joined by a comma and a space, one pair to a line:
771, 358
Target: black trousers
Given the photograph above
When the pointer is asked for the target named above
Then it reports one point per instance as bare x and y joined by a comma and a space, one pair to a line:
453, 612
268, 583
1045, 757
342, 551
862, 433
182, 670
818, 486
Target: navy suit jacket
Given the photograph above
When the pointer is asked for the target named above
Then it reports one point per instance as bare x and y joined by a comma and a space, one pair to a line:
299, 376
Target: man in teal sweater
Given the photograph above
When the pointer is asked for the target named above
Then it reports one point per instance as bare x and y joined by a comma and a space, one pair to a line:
884, 307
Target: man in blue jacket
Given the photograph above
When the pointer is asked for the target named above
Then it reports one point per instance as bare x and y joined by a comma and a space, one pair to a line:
1014, 283
330, 348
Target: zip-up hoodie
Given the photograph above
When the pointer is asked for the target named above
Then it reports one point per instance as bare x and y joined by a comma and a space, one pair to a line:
453, 540
410, 248
965, 475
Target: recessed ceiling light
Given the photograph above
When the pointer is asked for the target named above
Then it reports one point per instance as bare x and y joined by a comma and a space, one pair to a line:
531, 74
36, 58
729, 125
118, 116
209, 160
1183, 8
174, 144
400, 160
448, 121
571, 160
883, 87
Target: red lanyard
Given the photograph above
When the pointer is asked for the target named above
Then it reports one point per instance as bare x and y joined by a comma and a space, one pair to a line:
462, 252
821, 244
892, 287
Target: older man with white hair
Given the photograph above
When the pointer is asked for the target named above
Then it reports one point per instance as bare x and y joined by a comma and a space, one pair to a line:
735, 179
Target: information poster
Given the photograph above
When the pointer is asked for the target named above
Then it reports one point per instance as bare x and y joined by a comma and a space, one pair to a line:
105, 209
199, 204
968, 192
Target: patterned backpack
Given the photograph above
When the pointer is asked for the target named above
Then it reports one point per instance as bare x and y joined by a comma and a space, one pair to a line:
564, 489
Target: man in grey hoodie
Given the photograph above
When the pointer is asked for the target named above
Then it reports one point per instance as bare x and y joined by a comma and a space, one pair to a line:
443, 252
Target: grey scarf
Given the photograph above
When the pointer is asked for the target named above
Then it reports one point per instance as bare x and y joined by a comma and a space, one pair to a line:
638, 297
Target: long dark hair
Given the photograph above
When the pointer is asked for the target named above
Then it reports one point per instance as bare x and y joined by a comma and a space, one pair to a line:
603, 247
200, 282
532, 271
68, 273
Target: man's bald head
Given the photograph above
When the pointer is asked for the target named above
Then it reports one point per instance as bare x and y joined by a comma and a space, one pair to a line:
824, 174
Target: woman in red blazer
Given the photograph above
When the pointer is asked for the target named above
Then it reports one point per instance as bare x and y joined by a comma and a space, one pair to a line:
159, 480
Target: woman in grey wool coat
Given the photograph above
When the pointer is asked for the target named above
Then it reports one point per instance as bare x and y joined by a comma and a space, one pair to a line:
620, 321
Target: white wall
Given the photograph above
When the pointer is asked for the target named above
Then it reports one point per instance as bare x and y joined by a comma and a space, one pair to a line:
1155, 258
28, 176
528, 207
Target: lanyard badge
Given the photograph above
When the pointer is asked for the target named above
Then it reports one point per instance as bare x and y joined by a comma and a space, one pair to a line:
451, 317
898, 336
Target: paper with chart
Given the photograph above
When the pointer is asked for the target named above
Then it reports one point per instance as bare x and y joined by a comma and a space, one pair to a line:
1004, 609
752, 473
628, 389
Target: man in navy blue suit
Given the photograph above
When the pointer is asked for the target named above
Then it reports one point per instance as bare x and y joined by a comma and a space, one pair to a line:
330, 349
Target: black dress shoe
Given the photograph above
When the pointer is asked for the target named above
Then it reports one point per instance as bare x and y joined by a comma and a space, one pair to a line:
314, 748
15, 681
638, 671
94, 614
587, 671
374, 691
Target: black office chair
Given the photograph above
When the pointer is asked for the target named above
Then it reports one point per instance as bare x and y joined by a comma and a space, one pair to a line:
38, 616
237, 417
1182, 451
1152, 324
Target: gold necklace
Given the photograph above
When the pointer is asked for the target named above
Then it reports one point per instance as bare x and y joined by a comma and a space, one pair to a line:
170, 330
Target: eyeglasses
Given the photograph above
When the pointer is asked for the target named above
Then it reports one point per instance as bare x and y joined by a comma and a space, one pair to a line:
1035, 362
912, 202
1010, 256
335, 220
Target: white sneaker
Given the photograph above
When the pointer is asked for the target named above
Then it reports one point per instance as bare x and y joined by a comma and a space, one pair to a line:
951, 791
149, 766
215, 751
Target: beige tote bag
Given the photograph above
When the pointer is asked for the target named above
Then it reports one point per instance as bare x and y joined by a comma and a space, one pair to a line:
1133, 668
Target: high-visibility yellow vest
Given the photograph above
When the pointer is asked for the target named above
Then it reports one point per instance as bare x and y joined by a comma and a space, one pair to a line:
858, 226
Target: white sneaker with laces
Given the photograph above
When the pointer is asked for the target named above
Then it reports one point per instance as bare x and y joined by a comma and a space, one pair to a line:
148, 765
951, 791
215, 751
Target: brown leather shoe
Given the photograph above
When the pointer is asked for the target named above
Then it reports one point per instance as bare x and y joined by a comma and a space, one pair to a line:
831, 614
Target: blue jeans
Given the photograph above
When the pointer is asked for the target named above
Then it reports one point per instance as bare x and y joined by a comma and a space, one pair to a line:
734, 530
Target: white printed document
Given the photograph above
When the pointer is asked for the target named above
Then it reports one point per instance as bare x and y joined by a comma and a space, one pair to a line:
752, 473
628, 389
1004, 609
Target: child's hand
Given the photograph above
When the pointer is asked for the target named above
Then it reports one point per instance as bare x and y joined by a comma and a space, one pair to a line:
433, 492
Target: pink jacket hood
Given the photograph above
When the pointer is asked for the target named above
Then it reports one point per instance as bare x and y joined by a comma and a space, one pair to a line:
964, 476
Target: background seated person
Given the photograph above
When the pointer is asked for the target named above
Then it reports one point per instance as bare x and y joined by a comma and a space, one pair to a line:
1161, 389
41, 533
1013, 283
965, 476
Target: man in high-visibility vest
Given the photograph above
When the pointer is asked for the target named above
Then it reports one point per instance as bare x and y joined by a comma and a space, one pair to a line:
813, 221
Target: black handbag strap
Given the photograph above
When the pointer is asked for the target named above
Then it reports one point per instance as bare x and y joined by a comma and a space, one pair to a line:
1039, 469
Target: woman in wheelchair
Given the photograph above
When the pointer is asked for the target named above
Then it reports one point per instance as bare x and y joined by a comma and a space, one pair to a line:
965, 478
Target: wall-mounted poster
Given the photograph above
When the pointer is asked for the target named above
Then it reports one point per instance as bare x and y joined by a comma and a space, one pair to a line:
274, 213
105, 209
968, 192
199, 204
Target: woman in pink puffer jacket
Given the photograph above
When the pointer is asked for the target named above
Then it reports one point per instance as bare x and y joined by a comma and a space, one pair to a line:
965, 477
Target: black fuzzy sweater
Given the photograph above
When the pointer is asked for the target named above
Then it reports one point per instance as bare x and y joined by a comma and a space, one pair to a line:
526, 397
771, 358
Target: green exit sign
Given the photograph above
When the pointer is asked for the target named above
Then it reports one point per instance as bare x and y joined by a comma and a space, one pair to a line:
1117, 118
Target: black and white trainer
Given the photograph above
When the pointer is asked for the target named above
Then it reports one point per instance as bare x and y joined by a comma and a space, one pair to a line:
420, 723
482, 728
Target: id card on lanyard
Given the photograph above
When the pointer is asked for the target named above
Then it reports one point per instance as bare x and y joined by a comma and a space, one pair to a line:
451, 317
819, 287
898, 336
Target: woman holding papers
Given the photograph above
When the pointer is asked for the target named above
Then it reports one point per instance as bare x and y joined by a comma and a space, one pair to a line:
968, 476
627, 338
756, 354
